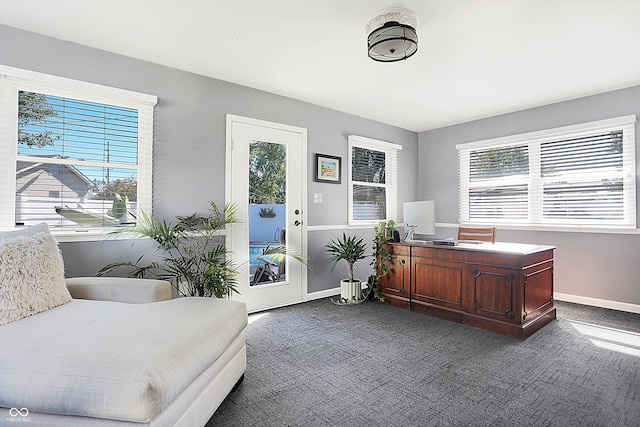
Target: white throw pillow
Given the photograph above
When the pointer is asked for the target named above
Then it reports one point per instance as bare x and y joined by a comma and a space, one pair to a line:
24, 231
31, 273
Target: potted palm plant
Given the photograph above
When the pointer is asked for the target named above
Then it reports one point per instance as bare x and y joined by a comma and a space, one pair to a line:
349, 249
191, 253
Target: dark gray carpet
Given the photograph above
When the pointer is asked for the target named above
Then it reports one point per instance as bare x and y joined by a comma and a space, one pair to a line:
318, 364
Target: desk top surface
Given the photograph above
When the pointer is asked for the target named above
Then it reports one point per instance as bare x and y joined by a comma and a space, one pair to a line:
502, 247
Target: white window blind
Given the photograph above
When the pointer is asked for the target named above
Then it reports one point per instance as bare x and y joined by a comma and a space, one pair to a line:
581, 175
372, 180
79, 154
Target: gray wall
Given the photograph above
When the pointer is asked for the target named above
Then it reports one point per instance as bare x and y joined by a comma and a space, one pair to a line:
593, 265
189, 141
189, 147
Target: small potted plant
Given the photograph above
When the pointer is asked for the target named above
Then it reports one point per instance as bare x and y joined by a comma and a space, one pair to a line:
267, 213
349, 249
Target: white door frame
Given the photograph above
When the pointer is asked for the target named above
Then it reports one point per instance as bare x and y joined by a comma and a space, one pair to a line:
229, 191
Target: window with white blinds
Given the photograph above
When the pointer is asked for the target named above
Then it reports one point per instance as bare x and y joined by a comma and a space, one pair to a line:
372, 179
78, 154
582, 175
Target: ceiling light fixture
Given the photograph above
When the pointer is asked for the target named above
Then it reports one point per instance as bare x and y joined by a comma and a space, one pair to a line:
392, 35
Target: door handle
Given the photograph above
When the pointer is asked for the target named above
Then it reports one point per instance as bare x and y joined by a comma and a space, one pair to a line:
296, 223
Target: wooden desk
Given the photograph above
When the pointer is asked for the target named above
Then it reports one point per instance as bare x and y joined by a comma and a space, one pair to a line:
501, 287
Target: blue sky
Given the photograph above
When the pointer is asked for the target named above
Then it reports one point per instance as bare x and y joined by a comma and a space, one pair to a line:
92, 132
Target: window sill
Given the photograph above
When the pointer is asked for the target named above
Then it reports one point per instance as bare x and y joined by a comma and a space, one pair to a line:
95, 235
80, 235
553, 228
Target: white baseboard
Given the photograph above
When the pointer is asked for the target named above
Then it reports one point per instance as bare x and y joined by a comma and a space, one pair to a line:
597, 302
330, 292
322, 294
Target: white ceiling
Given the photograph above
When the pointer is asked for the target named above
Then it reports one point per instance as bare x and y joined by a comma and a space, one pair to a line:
476, 58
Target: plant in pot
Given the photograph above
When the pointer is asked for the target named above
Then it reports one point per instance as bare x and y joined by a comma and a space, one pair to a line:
191, 253
267, 213
349, 249
383, 233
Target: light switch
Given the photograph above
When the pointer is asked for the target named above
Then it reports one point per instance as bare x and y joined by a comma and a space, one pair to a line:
317, 197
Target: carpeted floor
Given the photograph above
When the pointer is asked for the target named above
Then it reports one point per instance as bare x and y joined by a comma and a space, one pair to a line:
318, 364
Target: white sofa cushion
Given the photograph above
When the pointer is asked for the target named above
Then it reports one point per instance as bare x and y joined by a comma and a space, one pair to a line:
31, 273
113, 360
119, 289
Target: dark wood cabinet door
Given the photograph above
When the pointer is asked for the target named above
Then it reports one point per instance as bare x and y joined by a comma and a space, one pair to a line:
437, 282
494, 293
395, 284
537, 283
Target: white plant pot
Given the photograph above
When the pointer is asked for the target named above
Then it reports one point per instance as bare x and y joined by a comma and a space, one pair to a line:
349, 290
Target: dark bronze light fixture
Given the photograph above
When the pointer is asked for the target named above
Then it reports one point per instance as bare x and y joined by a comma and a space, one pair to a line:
392, 35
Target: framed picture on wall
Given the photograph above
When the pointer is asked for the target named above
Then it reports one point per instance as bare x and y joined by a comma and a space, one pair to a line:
328, 169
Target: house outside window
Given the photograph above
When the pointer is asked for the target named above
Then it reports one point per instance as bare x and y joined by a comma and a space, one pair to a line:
73, 153
568, 178
372, 180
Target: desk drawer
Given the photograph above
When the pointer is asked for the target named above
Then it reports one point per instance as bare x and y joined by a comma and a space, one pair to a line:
447, 253
398, 250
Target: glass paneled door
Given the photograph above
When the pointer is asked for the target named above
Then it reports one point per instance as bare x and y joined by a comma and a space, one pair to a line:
266, 179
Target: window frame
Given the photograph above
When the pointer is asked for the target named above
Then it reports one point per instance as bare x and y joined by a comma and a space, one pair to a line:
392, 152
12, 81
535, 181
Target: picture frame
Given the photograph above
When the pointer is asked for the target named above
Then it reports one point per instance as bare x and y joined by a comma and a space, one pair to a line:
328, 169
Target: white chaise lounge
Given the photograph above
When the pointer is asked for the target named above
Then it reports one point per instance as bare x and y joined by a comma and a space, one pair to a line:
119, 353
